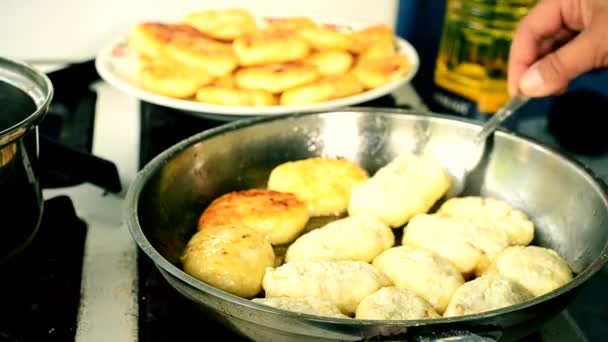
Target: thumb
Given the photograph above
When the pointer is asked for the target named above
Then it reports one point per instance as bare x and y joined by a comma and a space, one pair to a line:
553, 72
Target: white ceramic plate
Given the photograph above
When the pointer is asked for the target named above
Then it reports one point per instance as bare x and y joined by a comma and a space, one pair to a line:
114, 63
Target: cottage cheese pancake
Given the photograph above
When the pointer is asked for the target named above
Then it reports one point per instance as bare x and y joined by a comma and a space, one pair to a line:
278, 216
325, 184
394, 303
344, 283
232, 258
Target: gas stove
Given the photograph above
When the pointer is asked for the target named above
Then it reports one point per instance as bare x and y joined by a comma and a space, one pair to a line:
121, 296
40, 291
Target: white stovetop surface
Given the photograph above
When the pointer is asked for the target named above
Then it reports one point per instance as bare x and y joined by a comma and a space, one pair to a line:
108, 309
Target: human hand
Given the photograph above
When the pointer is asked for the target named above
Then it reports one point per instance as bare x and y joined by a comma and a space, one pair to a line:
556, 42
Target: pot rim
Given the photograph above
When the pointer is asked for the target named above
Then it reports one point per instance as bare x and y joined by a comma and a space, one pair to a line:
141, 179
34, 83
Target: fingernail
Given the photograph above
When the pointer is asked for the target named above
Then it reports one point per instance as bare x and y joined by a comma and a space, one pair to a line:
531, 80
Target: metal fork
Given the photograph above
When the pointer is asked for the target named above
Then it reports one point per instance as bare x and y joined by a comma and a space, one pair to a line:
503, 113
480, 142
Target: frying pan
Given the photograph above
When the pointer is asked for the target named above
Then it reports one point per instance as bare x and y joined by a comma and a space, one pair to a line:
566, 202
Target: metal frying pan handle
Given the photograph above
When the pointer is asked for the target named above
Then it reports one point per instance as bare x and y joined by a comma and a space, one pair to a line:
464, 338
456, 335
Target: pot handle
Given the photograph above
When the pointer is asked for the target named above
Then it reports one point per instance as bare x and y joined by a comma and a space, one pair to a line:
456, 335
462, 338
65, 166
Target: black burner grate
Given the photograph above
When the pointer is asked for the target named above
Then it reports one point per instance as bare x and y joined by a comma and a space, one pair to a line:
40, 288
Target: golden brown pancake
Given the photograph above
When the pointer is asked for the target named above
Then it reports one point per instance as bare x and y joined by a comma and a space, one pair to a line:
279, 216
322, 38
232, 258
315, 92
151, 38
231, 96
331, 61
269, 46
376, 72
226, 81
224, 24
200, 52
289, 24
324, 183
276, 78
379, 49
344, 85
184, 44
366, 37
325, 89
168, 78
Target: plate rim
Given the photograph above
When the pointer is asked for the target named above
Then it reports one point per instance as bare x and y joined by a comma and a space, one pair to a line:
103, 64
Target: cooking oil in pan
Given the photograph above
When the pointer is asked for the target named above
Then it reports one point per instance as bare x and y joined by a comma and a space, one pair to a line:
471, 68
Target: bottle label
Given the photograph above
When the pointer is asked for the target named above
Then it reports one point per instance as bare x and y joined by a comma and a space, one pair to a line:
451, 103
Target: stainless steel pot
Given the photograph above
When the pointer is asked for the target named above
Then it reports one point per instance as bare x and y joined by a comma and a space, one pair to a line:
567, 203
25, 95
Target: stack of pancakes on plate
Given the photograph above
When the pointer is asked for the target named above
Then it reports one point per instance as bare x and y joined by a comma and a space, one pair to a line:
227, 57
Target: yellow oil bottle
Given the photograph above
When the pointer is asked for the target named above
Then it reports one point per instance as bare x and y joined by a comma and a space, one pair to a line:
471, 68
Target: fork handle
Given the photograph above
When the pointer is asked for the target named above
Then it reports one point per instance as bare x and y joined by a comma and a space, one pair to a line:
491, 125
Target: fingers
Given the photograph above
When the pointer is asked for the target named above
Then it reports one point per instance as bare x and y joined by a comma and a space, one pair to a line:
552, 43
554, 71
541, 23
537, 71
